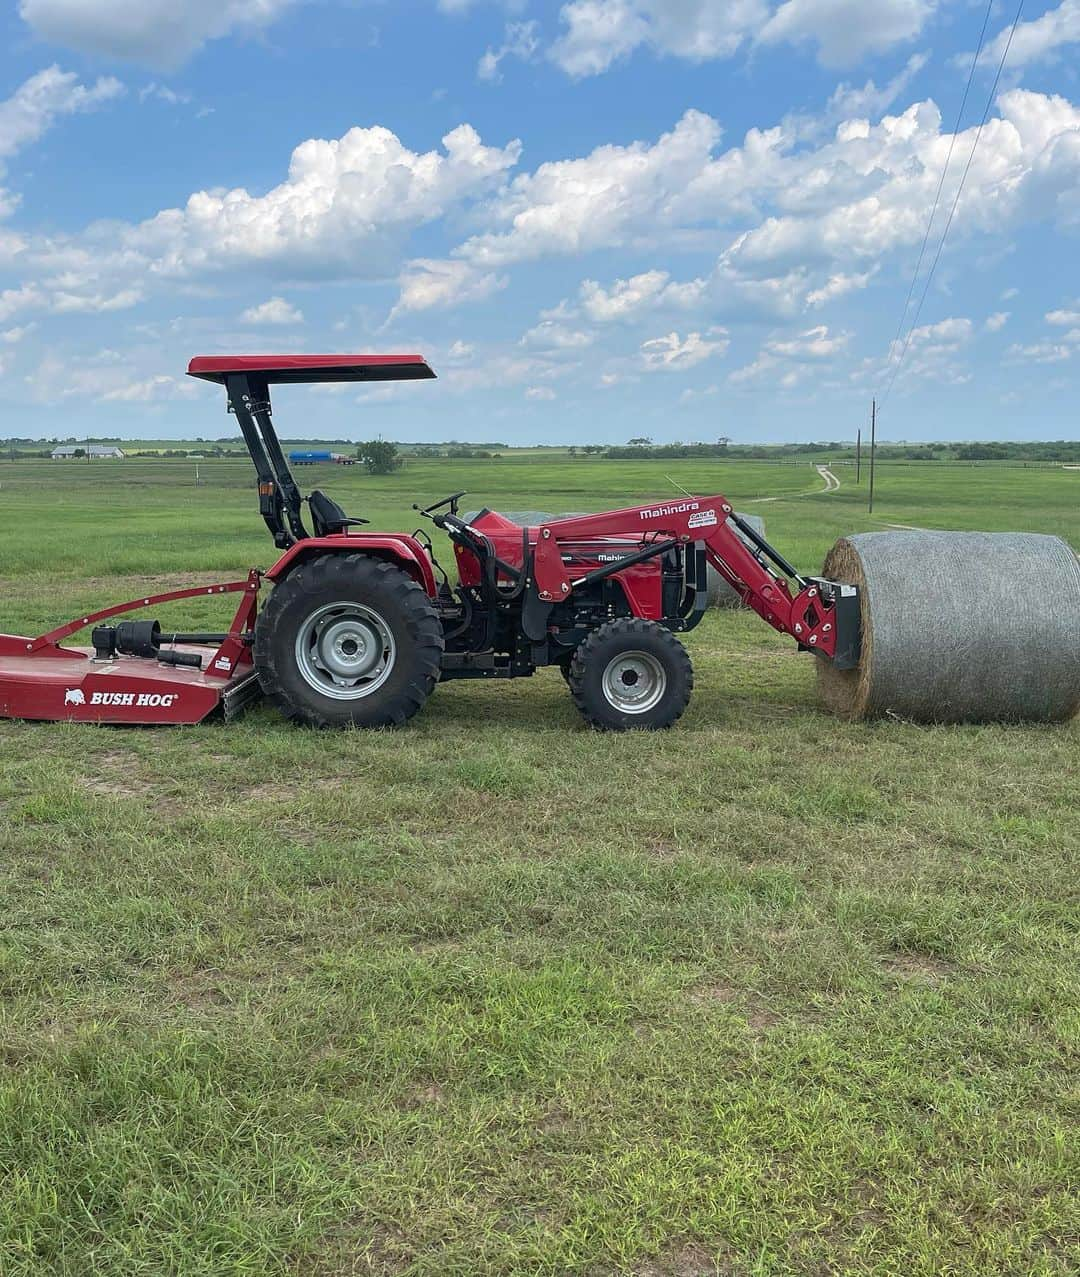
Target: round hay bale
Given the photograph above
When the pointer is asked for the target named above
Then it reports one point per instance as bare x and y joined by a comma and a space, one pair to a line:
959, 627
719, 593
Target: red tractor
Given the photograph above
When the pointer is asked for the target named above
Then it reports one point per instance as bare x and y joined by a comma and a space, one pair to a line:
359, 626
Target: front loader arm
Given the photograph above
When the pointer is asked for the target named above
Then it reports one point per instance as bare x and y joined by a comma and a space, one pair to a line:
808, 615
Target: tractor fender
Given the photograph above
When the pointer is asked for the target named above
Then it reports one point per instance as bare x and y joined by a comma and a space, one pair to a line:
405, 552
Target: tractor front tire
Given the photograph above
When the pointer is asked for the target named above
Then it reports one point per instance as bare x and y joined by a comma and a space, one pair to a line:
631, 674
348, 640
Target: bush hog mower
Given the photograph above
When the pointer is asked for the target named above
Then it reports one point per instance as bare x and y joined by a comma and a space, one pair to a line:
359, 626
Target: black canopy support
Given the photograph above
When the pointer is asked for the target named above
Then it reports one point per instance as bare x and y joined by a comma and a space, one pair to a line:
279, 497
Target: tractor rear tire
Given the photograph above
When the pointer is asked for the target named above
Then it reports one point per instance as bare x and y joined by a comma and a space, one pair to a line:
348, 640
631, 674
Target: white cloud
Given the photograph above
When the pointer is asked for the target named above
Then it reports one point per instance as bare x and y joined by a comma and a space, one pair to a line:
105, 377
690, 396
785, 360
149, 390
866, 192
275, 311
463, 6
14, 300
816, 343
933, 354
945, 334
13, 335
343, 212
550, 335
792, 220
625, 298
847, 30
342, 202
60, 301
675, 354
163, 93
431, 284
599, 33
460, 351
821, 216
601, 200
997, 321
542, 393
501, 370
82, 303
37, 103
848, 102
160, 33
1037, 40
1059, 347
630, 299
838, 286
521, 41
752, 372
1043, 352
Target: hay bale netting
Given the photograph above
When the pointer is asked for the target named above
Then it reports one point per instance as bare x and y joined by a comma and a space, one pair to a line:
960, 627
720, 594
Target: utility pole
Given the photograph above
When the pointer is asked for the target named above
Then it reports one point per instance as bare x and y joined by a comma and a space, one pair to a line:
873, 451
858, 456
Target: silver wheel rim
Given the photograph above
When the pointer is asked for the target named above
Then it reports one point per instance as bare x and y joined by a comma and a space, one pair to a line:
345, 651
634, 682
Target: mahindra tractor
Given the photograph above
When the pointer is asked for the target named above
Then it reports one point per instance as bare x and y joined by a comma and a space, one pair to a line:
358, 627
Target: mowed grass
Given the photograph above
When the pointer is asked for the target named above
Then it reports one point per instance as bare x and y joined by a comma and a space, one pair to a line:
766, 994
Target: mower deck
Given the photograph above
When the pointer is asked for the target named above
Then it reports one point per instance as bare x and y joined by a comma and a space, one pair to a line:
141, 676
67, 684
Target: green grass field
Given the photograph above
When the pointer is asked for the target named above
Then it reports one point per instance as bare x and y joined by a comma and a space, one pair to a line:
766, 994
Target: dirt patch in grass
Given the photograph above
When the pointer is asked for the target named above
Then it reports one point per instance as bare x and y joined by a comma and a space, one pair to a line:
425, 1096
554, 1121
274, 793
380, 1252
760, 1019
115, 777
199, 991
714, 992
688, 1260
917, 968
117, 787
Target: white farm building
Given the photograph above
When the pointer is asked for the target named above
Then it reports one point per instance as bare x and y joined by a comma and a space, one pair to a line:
97, 452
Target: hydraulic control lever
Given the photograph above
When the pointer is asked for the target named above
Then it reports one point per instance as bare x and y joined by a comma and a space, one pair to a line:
452, 501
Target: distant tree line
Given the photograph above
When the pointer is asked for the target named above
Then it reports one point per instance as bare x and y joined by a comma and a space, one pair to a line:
1061, 450
382, 457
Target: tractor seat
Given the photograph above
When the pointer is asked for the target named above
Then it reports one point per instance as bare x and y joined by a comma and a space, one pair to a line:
327, 517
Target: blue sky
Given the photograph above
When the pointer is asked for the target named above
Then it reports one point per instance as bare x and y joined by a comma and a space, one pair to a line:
600, 218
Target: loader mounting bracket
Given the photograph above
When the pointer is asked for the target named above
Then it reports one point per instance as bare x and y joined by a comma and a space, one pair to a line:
847, 617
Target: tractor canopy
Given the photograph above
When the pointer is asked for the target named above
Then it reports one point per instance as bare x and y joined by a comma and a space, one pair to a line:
297, 369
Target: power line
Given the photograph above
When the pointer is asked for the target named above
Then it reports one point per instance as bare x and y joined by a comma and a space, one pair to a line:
944, 174
956, 198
